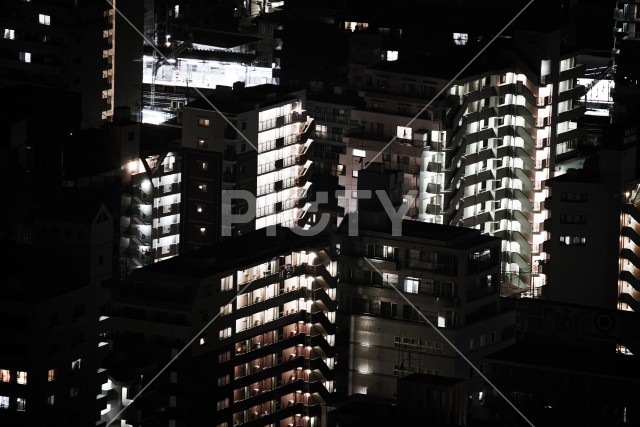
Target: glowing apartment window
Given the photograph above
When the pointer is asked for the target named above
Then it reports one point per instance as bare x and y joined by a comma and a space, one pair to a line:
176, 11
225, 333
460, 39
21, 377
21, 404
51, 375
205, 166
202, 340
203, 121
411, 285
199, 209
9, 34
392, 55
76, 365
5, 375
359, 153
203, 143
44, 19
51, 400
203, 231
25, 57
4, 402
403, 132
202, 187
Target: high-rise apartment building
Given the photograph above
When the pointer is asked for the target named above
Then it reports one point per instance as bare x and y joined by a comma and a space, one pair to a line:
150, 200
479, 156
72, 45
258, 326
391, 281
254, 139
54, 323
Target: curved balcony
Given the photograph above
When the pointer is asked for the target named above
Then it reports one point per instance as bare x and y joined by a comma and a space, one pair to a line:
630, 301
630, 256
631, 279
630, 209
631, 234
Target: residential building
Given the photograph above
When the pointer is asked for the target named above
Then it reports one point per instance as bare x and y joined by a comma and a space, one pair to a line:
413, 302
626, 56
52, 360
151, 182
586, 263
73, 47
599, 388
247, 337
479, 156
255, 139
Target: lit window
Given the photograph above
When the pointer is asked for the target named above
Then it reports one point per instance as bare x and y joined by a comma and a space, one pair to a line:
21, 403
25, 56
5, 375
225, 333
403, 132
176, 11
359, 153
4, 402
205, 166
203, 143
460, 38
9, 34
411, 285
44, 19
199, 209
76, 364
202, 187
354, 174
203, 231
51, 400
203, 122
202, 341
392, 55
21, 377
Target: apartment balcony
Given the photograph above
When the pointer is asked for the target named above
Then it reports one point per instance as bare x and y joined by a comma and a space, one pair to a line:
630, 209
165, 230
568, 135
573, 114
630, 256
575, 93
481, 217
632, 234
631, 279
629, 16
165, 251
304, 173
444, 269
630, 301
573, 73
168, 189
140, 197
166, 210
477, 294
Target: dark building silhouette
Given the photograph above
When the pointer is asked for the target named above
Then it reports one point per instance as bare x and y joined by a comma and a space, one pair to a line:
53, 319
